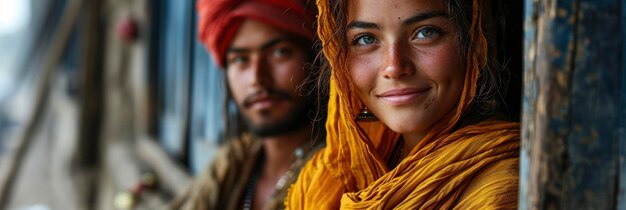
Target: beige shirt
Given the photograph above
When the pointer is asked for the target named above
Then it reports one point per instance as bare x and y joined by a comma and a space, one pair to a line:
223, 185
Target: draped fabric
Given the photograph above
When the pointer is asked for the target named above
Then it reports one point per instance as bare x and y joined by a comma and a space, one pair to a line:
472, 166
220, 20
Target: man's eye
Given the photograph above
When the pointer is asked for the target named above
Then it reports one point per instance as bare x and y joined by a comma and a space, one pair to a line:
280, 52
237, 60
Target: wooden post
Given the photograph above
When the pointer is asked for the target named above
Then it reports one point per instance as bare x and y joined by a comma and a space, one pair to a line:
621, 204
574, 106
86, 158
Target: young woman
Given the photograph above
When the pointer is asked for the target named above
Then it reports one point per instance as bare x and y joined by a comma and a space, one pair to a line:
427, 70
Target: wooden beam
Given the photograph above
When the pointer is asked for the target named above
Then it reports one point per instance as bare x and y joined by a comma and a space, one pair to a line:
621, 198
572, 104
86, 159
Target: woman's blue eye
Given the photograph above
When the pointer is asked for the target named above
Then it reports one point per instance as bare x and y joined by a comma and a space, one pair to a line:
426, 33
364, 40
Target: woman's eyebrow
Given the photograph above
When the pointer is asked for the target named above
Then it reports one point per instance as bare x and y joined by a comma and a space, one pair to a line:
421, 16
362, 25
414, 19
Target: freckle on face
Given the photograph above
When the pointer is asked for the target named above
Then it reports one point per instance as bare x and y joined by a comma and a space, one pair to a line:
432, 65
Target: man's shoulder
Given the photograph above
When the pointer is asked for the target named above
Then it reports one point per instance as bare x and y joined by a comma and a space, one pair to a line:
215, 185
239, 148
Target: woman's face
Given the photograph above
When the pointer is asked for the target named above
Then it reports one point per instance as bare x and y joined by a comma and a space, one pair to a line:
404, 61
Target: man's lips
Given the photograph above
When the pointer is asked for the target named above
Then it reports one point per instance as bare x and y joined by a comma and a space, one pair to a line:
263, 102
403, 95
264, 99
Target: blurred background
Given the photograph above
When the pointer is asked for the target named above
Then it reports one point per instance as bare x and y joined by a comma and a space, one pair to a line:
114, 104
103, 104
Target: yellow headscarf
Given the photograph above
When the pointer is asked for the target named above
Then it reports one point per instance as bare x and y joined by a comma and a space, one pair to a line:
442, 171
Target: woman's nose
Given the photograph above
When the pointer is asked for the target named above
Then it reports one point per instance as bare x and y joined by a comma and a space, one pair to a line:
398, 62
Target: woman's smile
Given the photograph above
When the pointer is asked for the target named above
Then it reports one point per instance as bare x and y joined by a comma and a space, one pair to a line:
403, 96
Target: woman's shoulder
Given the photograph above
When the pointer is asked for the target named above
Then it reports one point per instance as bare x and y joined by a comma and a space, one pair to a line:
494, 187
315, 186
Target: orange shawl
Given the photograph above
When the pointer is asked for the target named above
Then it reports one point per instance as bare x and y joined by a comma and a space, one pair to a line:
474, 167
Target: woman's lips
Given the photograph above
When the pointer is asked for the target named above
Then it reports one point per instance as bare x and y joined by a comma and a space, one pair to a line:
403, 96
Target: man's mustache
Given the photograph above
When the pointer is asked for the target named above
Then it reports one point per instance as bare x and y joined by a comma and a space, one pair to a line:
268, 93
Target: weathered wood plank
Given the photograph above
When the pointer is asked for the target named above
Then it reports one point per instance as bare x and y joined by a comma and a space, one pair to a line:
572, 101
546, 103
621, 198
526, 201
174, 76
86, 157
596, 88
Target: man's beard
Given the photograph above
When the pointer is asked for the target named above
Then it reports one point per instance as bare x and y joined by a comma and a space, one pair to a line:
296, 119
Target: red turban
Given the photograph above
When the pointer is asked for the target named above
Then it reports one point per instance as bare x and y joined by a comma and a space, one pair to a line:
220, 20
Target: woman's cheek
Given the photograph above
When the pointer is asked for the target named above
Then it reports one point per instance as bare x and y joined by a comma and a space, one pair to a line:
363, 67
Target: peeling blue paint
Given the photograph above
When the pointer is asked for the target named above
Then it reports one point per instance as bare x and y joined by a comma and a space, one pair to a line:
595, 99
579, 123
530, 94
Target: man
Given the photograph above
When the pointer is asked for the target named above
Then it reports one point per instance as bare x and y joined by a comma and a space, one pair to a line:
265, 48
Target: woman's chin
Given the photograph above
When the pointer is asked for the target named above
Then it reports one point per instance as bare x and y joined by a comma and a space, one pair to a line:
406, 127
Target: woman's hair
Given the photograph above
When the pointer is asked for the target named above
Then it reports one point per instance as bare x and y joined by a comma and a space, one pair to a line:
489, 89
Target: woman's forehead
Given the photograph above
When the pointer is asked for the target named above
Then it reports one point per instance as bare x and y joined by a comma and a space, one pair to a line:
385, 10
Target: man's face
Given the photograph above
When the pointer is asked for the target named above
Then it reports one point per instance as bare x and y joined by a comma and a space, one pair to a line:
265, 67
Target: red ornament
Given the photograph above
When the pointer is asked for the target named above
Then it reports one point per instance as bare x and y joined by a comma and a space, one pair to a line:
127, 29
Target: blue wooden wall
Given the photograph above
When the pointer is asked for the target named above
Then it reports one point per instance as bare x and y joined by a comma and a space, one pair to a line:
574, 105
189, 86
207, 110
176, 42
621, 197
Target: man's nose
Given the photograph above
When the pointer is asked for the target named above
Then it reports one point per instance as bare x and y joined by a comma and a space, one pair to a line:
260, 71
397, 61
